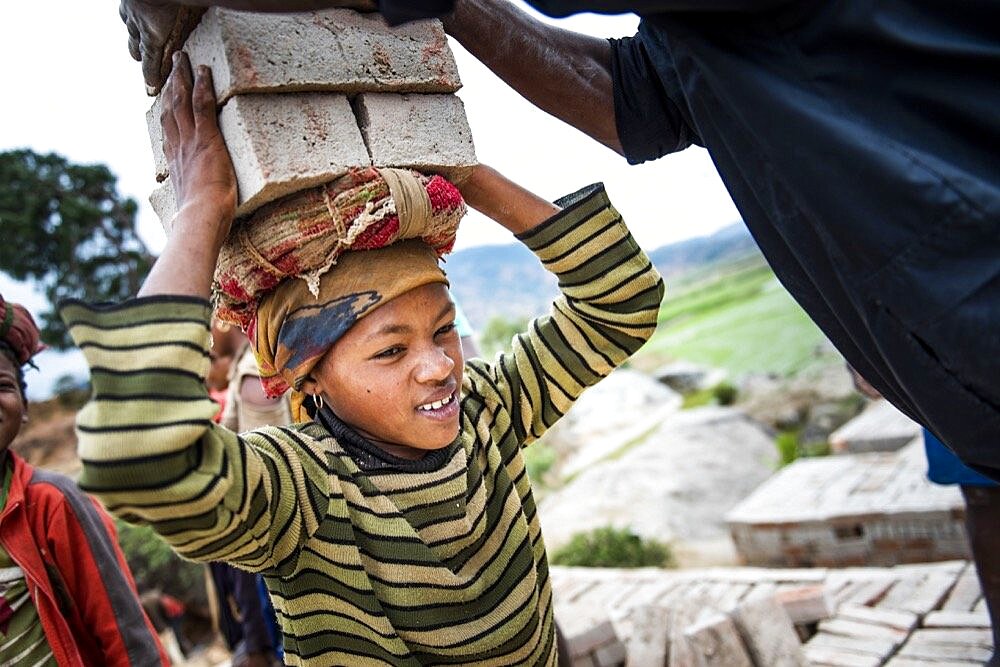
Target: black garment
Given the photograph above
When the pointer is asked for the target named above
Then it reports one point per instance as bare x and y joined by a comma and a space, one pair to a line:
371, 458
860, 141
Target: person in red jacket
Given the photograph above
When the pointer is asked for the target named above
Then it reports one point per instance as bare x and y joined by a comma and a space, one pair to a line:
67, 596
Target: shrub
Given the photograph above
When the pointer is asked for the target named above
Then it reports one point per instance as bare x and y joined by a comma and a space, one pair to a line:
724, 393
613, 547
791, 447
538, 460
155, 565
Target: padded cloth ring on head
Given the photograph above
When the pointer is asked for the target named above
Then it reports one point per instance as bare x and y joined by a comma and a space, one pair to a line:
301, 236
294, 329
18, 331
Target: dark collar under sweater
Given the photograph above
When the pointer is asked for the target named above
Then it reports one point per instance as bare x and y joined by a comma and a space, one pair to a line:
371, 458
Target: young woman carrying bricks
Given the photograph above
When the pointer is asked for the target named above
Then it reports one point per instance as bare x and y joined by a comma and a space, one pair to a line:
398, 526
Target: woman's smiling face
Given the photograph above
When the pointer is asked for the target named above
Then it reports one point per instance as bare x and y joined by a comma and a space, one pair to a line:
395, 375
12, 408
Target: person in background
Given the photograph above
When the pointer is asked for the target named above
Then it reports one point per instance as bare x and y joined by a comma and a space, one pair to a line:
67, 596
245, 619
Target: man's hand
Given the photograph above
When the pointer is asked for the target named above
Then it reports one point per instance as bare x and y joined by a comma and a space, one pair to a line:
156, 29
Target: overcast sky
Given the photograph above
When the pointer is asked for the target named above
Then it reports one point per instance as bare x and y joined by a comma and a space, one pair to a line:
68, 85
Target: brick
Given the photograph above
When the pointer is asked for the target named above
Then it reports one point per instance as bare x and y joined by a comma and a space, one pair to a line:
589, 640
982, 637
645, 631
768, 634
929, 651
957, 619
715, 641
848, 628
281, 144
611, 654
806, 604
336, 50
425, 132
871, 646
162, 201
833, 657
904, 621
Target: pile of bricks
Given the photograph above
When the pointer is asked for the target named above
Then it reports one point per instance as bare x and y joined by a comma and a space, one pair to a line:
928, 615
304, 97
861, 509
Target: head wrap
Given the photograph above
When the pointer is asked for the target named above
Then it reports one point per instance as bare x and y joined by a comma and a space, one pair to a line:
294, 329
18, 331
302, 235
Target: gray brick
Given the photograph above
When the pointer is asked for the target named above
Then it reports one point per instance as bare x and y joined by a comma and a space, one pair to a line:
425, 132
331, 50
281, 144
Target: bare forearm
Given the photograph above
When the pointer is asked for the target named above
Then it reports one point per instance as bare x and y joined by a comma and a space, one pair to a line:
561, 72
187, 264
506, 202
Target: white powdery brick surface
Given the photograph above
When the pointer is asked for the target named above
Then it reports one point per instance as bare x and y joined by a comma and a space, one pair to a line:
164, 204
331, 50
424, 132
281, 144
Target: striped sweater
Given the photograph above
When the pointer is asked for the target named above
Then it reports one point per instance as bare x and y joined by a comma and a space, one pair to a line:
445, 566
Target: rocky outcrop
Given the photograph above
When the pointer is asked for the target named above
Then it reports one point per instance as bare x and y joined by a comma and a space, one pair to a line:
676, 483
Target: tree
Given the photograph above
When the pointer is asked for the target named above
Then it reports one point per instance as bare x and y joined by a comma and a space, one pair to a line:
499, 332
66, 228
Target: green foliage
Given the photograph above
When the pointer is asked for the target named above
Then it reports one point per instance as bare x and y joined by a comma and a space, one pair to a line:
743, 321
723, 393
498, 333
613, 547
155, 565
791, 447
787, 443
67, 229
538, 460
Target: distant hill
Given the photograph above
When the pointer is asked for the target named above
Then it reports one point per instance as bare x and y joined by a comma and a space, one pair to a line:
728, 244
504, 280
507, 280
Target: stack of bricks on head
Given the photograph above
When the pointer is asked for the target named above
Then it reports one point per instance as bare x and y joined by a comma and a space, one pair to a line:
305, 97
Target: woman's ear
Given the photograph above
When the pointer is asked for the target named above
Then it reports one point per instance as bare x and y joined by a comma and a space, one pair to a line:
310, 386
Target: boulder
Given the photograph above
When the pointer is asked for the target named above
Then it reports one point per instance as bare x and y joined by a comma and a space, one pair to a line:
677, 483
608, 416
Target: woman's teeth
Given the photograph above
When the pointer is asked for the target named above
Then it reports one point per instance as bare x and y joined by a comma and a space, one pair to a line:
436, 404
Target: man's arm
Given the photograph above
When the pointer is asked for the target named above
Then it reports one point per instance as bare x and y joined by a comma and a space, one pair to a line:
563, 73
